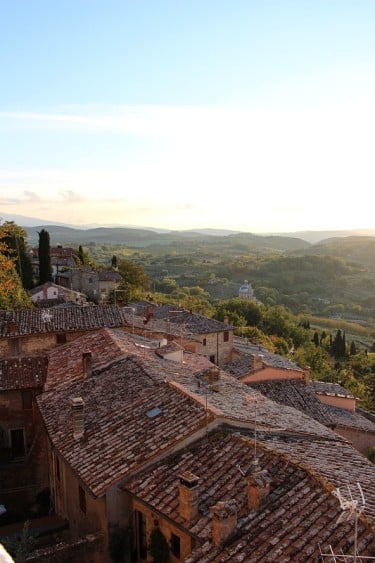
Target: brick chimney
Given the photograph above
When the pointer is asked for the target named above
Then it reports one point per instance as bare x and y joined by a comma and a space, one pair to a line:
257, 362
78, 420
213, 378
224, 520
188, 495
307, 374
258, 487
87, 364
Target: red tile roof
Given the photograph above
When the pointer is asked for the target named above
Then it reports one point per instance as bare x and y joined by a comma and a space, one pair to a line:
120, 432
23, 373
24, 322
298, 516
295, 393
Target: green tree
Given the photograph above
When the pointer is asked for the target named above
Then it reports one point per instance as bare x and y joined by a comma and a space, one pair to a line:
135, 281
114, 262
12, 294
316, 339
15, 238
44, 255
239, 308
338, 348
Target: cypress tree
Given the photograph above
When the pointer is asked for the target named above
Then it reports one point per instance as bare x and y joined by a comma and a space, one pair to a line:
44, 255
81, 256
316, 339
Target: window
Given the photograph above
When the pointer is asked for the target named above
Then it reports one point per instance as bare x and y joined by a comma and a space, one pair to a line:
61, 338
204, 342
27, 400
212, 359
175, 545
82, 499
226, 335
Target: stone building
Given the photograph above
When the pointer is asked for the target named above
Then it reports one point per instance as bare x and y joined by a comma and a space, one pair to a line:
196, 333
50, 294
23, 473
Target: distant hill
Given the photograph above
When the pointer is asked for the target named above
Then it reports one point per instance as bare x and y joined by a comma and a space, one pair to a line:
357, 249
318, 236
142, 238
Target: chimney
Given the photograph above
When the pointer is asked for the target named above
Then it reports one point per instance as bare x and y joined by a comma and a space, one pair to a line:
224, 520
307, 374
78, 419
257, 362
188, 495
258, 487
87, 364
226, 320
213, 378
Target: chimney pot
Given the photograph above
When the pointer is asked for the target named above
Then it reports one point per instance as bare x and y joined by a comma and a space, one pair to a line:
214, 377
77, 404
188, 495
87, 364
224, 520
258, 487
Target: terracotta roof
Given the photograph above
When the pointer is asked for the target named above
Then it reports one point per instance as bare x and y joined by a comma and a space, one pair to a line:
349, 419
295, 393
241, 365
192, 322
336, 463
269, 358
131, 415
298, 517
333, 389
23, 373
236, 401
24, 322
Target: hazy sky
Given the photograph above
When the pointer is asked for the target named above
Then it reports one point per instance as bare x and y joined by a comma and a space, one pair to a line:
256, 115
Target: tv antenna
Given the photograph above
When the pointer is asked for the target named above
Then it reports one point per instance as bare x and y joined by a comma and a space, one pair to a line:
352, 505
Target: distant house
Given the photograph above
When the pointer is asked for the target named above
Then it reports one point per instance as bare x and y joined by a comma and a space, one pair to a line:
50, 294
196, 333
108, 282
82, 279
96, 285
252, 363
61, 259
284, 382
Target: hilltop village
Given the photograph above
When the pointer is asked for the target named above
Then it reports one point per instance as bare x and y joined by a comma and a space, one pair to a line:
151, 433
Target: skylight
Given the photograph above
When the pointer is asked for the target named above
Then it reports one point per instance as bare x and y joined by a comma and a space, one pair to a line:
152, 413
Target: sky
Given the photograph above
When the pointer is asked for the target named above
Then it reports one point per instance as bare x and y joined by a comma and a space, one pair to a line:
250, 115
